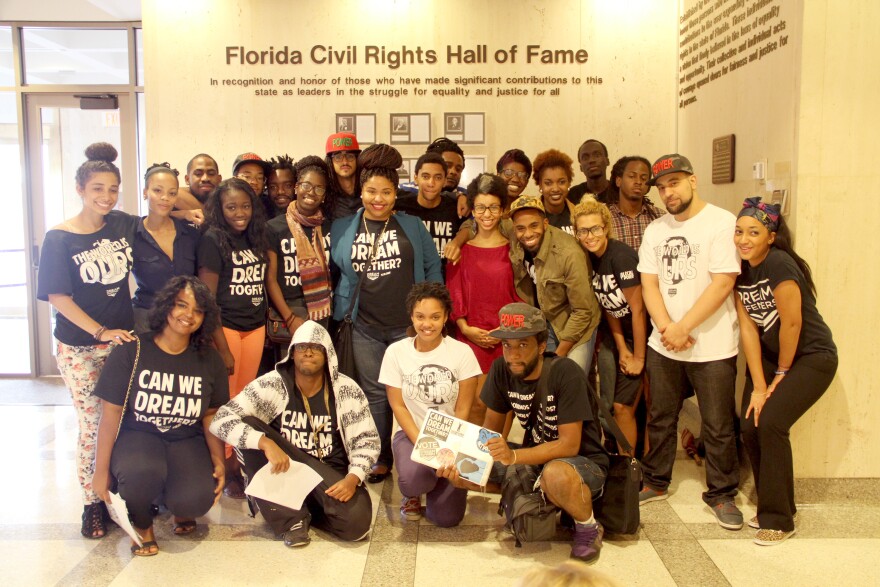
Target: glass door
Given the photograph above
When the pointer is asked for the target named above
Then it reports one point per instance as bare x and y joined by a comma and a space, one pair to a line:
58, 131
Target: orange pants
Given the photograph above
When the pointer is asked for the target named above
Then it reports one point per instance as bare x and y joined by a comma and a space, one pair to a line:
247, 350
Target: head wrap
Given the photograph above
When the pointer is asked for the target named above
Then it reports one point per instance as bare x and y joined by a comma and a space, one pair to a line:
766, 214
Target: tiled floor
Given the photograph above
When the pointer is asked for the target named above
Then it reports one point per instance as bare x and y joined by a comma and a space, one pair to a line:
837, 542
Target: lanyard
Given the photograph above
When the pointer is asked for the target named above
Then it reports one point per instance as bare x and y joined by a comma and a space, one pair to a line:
316, 430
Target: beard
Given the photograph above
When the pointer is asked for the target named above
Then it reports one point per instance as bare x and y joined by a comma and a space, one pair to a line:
528, 369
682, 207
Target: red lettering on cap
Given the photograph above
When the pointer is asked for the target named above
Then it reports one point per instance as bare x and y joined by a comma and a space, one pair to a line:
513, 320
661, 165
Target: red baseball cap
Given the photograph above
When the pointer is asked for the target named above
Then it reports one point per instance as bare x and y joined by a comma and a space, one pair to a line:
342, 141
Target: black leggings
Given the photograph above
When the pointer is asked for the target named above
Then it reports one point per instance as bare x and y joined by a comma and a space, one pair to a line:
348, 520
768, 445
145, 465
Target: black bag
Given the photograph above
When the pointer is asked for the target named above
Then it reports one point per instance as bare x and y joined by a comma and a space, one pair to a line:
618, 507
530, 517
276, 328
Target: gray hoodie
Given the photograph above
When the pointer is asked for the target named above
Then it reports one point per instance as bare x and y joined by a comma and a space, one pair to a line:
266, 397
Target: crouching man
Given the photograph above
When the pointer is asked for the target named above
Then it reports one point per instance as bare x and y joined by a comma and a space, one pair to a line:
562, 434
307, 410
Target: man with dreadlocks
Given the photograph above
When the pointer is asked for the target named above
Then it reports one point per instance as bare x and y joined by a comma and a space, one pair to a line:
280, 182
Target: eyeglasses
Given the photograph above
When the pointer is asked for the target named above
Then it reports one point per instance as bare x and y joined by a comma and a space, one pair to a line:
306, 187
509, 173
597, 230
343, 156
493, 209
303, 347
287, 186
248, 177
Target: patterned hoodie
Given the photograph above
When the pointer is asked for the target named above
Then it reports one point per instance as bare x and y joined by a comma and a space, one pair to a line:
267, 396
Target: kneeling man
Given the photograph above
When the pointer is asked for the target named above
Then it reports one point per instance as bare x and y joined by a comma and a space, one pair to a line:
307, 410
562, 434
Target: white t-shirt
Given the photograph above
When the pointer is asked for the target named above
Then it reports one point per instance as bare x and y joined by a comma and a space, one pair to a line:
683, 255
428, 380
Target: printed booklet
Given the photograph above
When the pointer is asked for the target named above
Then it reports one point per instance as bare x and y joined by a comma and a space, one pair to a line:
445, 440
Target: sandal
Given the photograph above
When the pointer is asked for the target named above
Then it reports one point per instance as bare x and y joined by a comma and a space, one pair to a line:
93, 525
184, 527
146, 549
234, 487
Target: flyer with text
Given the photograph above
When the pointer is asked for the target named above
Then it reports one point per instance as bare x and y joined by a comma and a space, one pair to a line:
445, 440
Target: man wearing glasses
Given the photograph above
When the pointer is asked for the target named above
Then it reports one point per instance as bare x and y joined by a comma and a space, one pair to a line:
345, 186
254, 170
307, 411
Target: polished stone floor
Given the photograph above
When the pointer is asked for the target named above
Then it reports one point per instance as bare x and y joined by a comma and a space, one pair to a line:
837, 542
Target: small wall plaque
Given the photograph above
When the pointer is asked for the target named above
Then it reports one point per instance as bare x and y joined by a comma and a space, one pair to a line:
723, 159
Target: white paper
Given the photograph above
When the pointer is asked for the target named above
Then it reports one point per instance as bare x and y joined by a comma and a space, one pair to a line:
288, 489
446, 440
119, 512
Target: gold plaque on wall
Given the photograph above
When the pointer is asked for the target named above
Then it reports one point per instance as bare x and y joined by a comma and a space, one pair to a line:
723, 158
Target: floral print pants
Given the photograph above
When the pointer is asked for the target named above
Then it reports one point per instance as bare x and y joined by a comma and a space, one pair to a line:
80, 368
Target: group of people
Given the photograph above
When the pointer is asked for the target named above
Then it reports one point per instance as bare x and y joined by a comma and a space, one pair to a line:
484, 302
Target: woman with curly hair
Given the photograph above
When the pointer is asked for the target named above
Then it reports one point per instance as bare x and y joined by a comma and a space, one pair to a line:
163, 445
395, 251
232, 263
428, 371
553, 172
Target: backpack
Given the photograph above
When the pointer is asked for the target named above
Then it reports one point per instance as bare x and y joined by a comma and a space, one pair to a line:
530, 517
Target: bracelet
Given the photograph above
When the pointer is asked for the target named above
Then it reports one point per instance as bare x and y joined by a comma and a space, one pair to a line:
98, 333
759, 394
780, 372
514, 457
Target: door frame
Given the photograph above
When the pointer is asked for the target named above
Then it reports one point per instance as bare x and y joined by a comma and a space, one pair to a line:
42, 358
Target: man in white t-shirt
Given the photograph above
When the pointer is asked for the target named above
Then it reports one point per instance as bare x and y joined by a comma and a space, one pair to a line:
689, 265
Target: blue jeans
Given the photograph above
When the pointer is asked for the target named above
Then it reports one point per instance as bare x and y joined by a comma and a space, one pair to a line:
368, 354
714, 383
582, 355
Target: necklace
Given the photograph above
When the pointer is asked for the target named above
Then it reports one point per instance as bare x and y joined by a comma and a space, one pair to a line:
317, 429
374, 247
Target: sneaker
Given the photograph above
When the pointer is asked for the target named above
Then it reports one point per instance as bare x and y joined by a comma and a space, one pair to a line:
298, 535
753, 523
772, 537
587, 542
647, 495
411, 508
728, 515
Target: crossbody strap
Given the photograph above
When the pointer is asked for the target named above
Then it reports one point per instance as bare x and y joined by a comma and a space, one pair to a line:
540, 391
137, 358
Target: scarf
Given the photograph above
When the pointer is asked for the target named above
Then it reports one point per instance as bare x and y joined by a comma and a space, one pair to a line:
766, 214
313, 271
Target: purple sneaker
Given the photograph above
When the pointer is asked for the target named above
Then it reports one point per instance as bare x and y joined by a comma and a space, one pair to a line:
587, 542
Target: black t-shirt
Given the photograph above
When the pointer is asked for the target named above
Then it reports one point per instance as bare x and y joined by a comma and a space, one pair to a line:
284, 245
562, 221
382, 302
93, 269
569, 399
240, 292
442, 221
170, 394
615, 271
755, 289
295, 425
345, 206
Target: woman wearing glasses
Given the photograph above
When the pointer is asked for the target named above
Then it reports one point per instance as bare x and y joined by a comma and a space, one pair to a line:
482, 282
618, 288
514, 167
344, 179
298, 277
